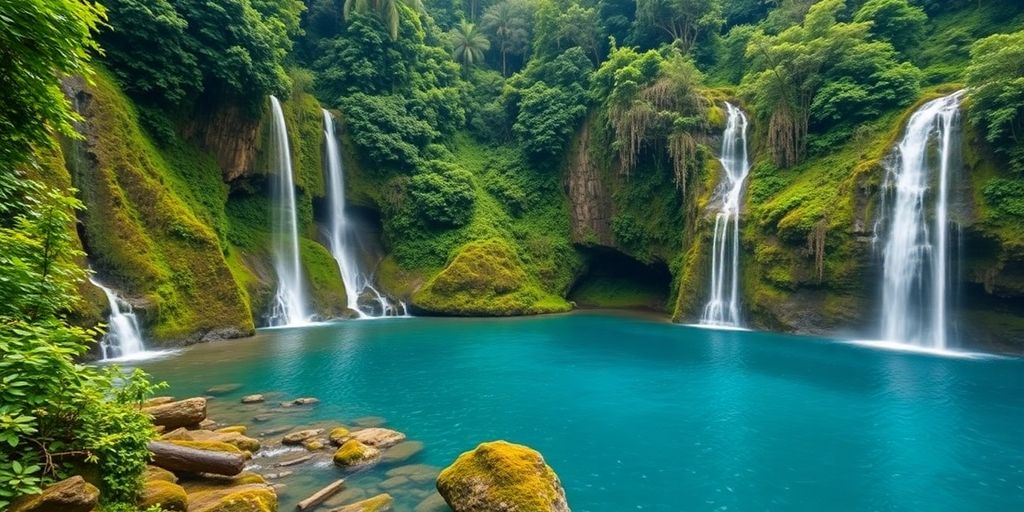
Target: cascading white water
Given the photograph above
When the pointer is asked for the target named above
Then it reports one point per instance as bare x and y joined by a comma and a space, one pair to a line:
343, 241
916, 253
723, 308
289, 308
123, 338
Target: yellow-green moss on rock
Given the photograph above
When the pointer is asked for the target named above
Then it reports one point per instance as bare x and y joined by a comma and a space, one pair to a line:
243, 498
486, 277
353, 454
166, 495
378, 503
501, 477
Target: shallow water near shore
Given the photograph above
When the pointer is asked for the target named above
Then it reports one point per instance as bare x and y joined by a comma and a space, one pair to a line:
638, 414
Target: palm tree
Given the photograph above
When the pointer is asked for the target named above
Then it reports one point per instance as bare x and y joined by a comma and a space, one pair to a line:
387, 10
468, 44
509, 25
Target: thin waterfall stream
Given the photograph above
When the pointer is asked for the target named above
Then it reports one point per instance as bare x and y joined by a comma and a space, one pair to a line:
344, 243
289, 307
916, 252
123, 339
723, 306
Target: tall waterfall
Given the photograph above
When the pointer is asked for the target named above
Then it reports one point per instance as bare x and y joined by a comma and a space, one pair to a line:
343, 240
123, 338
723, 306
289, 306
916, 252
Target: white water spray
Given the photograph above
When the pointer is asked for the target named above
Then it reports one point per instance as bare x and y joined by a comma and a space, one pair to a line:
123, 339
916, 253
723, 308
344, 243
289, 308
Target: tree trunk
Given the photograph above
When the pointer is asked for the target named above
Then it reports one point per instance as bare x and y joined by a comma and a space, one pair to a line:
174, 457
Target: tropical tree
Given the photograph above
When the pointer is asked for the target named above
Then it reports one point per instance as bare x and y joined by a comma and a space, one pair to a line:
508, 24
389, 11
468, 44
682, 20
996, 80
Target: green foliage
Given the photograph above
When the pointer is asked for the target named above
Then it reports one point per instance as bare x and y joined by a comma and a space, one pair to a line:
384, 130
683, 21
146, 49
362, 59
56, 415
551, 100
895, 21
390, 12
996, 80
468, 44
40, 40
508, 23
821, 70
1006, 196
442, 194
562, 25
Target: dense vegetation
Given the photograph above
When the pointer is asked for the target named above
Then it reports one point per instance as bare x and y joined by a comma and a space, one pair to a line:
475, 132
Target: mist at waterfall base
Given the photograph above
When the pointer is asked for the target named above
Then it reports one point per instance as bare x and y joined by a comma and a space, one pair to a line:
362, 296
289, 305
676, 419
913, 229
723, 306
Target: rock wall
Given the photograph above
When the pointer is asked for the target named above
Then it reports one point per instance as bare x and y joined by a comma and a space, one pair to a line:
589, 197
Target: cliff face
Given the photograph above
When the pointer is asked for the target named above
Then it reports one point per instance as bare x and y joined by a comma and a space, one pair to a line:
230, 134
589, 199
142, 227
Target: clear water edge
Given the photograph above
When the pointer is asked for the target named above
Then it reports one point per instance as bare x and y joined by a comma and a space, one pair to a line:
636, 414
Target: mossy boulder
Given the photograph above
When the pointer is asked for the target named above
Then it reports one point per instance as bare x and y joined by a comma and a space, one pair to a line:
71, 495
354, 454
378, 437
211, 446
486, 277
338, 435
242, 498
236, 439
157, 473
378, 503
501, 477
166, 495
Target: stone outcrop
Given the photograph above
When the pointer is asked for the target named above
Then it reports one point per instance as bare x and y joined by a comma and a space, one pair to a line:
589, 199
71, 495
501, 477
183, 413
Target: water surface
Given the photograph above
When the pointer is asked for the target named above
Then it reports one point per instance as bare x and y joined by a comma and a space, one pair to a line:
635, 414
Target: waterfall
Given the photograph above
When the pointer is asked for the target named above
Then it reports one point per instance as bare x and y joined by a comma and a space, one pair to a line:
289, 308
343, 240
123, 338
723, 307
915, 255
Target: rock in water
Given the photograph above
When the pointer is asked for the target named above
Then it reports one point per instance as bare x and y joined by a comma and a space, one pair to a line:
338, 436
243, 498
252, 399
71, 495
378, 437
378, 503
184, 413
501, 477
354, 453
295, 438
223, 389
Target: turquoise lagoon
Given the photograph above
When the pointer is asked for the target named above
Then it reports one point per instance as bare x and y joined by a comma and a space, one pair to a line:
639, 414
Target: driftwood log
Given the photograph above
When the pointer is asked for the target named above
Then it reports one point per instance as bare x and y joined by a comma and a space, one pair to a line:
175, 457
322, 495
184, 413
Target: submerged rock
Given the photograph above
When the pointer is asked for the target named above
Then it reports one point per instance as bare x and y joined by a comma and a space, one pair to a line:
253, 399
378, 437
354, 453
369, 421
402, 451
378, 503
432, 503
243, 498
71, 495
223, 389
166, 495
306, 401
313, 444
501, 477
296, 438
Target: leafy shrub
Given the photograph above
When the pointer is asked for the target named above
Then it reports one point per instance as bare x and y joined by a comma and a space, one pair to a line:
442, 194
1006, 196
384, 130
997, 92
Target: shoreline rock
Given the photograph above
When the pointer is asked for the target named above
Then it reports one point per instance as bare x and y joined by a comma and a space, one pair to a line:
501, 476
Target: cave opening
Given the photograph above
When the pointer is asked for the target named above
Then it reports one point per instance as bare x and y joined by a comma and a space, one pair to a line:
613, 280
